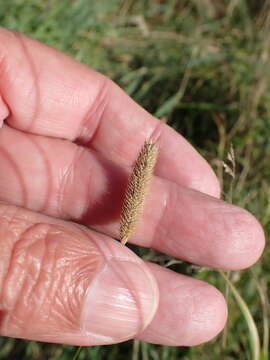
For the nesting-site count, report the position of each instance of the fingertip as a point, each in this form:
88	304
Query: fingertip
190	311
250	243
208	315
244	242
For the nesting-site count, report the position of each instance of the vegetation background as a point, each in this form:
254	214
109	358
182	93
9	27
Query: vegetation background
203	67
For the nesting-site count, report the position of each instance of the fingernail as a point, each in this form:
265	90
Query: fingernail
120	302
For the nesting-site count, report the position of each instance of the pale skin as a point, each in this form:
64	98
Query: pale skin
67	145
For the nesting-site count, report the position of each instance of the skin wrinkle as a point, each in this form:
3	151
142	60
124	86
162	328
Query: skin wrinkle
4	110
18	175
159	229
163	236
40	229
163	228
95	111
63	309
25	279
63	275
69	95
35	94
10	266
79	292
85	233
74	297
65	180
12	219
156	134
112	255
195	232
199	231
11	261
4	279
54	292
48	172
118	152
87	204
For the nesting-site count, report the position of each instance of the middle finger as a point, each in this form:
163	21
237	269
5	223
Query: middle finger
65	180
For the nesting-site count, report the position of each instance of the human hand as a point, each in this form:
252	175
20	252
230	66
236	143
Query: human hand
67	146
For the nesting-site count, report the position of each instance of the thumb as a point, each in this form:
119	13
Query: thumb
63	283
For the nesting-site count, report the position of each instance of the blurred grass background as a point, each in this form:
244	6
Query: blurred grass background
203	67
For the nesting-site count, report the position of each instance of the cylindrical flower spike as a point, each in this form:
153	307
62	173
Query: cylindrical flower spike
137	189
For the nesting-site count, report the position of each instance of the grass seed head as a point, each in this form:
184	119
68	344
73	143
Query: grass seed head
137	189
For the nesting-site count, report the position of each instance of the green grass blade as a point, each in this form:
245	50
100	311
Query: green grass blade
76	356
261	285
136	350
253	331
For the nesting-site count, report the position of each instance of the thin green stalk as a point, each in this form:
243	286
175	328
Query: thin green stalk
76	356
253	331
136	350
262	290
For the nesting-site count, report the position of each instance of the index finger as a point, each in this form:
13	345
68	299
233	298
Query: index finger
46	92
